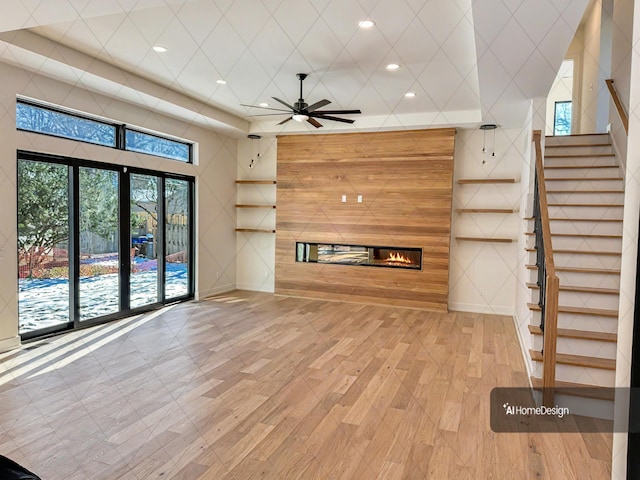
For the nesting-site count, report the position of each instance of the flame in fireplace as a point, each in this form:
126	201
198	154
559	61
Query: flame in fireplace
398	258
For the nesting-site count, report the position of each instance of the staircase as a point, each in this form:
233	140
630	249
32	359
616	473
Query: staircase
585	192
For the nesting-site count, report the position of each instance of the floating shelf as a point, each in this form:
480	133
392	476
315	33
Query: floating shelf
255	206
485	210
486	239
255	230
256	182
487	180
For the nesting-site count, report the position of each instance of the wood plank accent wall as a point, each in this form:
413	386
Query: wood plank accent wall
405	179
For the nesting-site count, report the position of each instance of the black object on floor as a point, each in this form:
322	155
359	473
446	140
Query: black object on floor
10	470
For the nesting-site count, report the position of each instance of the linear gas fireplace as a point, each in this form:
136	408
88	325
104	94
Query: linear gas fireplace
392	257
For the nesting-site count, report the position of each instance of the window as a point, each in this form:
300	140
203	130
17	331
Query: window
154	145
59	122
562	118
51	122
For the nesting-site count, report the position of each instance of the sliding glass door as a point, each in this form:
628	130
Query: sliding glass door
177	238
145	274
99	280
89	239
43	246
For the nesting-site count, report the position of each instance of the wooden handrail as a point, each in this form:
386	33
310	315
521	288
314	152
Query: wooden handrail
552	285
544	208
618	103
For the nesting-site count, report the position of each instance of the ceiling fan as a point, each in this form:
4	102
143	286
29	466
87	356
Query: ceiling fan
301	111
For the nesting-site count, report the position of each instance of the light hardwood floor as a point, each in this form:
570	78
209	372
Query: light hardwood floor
257	386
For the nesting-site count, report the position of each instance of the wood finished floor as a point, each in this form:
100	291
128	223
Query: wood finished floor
256	386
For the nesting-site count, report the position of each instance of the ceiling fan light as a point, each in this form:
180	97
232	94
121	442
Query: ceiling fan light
300	117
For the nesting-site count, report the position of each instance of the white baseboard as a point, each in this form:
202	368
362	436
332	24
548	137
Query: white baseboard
10	344
256	287
487	309
215	291
524	347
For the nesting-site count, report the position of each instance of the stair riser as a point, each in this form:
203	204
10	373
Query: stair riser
605	301
582	261
586	261
576	346
577	184
586	198
596	213
581	173
582	322
576	139
589	407
589	376
589	279
588	227
584	243
585	150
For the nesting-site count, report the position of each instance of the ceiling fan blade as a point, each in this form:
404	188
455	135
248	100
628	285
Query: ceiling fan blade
317	105
264	108
314	122
285	104
343	112
284	121
268	114
336	119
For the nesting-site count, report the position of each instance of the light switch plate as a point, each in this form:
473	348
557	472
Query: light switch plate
344	199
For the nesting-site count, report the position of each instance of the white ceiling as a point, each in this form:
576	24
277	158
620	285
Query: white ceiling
468	61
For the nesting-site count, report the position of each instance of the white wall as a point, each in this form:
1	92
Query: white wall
215	174
628	34
483	276
255	261
621	72
590	68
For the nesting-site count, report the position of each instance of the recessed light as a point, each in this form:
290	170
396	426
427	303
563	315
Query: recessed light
366	23
263	104
221	82
159	49
393	66
410	94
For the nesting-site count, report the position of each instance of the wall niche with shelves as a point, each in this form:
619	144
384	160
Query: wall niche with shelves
256	206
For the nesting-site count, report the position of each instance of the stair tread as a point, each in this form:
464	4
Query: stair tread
585	235
580	145
597	179
585	191
578	360
583	310
578	389
585	204
581	289
585	219
578	334
582	155
580	252
581	270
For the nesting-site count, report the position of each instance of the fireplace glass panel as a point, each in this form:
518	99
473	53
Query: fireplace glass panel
391	257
